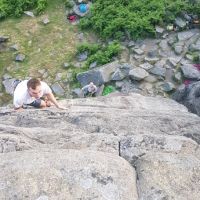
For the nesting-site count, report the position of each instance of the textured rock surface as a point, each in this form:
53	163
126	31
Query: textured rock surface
66	174
101	148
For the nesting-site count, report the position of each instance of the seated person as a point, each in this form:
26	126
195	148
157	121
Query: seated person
89	90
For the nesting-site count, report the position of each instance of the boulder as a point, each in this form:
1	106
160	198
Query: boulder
8	85
191	72
195	46
189	96
14	47
57	89
138	74
118	75
82	56
159	29
99	75
138	51
168	86
159	71
185	35
146	66
46	21
20	57
3	38
181	23
29	13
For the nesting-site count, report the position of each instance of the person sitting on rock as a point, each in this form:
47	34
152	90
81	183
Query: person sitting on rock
89	90
30	92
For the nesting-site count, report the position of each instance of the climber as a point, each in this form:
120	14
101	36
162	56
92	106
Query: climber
89	90
30	92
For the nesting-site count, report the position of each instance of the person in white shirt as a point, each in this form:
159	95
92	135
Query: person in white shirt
30	92
89	90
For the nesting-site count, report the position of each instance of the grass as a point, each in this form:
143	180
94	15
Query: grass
45	46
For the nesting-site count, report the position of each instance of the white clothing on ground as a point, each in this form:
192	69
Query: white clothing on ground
21	95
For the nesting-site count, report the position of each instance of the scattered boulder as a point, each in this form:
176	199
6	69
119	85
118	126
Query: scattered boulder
29	13
159	30
98	76
196	46
8	85
151	60
131	44
93	65
82	56
66	65
46	21
58	76
178	48
14	47
173	61
168	86
57	89
4	39
178	76
181	23
138	51
146	66
138	74
159	71
125	68
94	76
20	57
189	71
7	76
185	35
118	75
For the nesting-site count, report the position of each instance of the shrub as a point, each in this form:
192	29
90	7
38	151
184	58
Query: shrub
116	19
17	7
100	54
108	89
90	48
105	55
41	5
195	57
68	4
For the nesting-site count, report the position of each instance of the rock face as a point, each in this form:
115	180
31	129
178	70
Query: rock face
189	95
118	147
66	174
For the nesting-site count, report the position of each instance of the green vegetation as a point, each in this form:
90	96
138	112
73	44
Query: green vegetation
45	46
90	48
195	57
108	89
17	7
68	3
99	54
133	18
